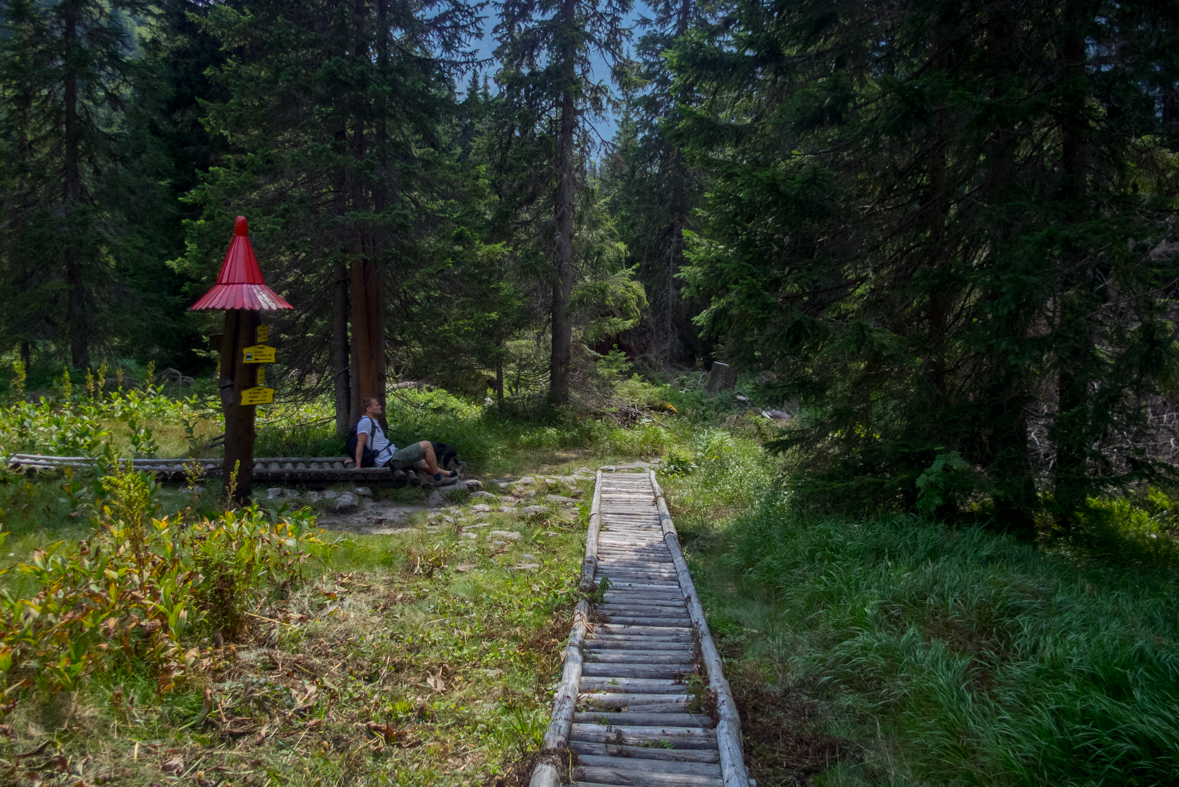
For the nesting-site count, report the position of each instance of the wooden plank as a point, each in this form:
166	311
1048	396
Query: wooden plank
630	685
610	776
648	702
644	765
646	752
595	669
685	737
655	640
638	657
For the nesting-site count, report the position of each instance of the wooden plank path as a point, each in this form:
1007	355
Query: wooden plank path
624	704
306	470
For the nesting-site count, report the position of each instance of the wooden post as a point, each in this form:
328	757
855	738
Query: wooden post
241	326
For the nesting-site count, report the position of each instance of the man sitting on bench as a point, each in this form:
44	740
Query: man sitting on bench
415	456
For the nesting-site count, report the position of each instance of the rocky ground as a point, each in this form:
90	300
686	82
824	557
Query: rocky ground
493	511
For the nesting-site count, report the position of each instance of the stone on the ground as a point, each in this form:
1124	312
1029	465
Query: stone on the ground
482	496
498	543
470	536
276	493
477	524
311	497
464	567
551	533
513	535
524	492
533	510
559	499
331	494
345	502
362	491
526	566
525	481
527	556
443	497
481	508
474	485
585	470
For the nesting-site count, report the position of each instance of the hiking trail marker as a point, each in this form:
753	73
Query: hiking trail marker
259	353
242	294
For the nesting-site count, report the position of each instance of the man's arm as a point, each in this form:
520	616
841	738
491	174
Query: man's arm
361	440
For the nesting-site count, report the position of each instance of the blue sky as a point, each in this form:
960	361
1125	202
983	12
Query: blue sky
606	126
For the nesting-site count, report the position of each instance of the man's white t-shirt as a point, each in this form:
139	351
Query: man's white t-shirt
376	439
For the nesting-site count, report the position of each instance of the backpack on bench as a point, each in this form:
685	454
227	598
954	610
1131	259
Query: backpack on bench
368	458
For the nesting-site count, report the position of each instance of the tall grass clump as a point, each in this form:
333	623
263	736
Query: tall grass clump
990	660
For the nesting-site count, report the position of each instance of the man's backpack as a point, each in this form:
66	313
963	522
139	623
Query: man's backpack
368	458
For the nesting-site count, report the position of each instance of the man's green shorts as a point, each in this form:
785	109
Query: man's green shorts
405	458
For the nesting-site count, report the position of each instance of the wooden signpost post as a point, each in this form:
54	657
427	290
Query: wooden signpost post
242	294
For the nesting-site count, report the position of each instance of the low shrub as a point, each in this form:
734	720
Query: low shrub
142	593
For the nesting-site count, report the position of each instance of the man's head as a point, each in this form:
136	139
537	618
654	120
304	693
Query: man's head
370	406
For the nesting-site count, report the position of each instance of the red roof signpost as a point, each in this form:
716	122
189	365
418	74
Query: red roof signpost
242	294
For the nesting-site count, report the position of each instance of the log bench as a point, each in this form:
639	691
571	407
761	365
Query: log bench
311	471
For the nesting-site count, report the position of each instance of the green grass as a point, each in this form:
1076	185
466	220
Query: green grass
919	653
416	658
862	651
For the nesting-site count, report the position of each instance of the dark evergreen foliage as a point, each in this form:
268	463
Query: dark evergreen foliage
937	222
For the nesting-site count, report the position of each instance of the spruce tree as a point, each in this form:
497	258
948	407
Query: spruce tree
927	219
65	74
653	190
339	117
546	48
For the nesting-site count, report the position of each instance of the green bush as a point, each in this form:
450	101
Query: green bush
141	594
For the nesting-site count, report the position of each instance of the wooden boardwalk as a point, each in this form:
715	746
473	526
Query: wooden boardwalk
643	700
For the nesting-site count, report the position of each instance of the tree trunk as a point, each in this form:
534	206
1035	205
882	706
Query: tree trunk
71	196
499	377
1074	341
937	212
341	381
1004	449
562	349
367	332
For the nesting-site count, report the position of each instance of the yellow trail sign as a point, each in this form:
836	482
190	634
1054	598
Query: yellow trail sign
262	374
263	334
258	395
258	353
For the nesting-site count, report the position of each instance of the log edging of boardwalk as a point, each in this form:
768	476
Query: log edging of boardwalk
589	565
547	772
728	728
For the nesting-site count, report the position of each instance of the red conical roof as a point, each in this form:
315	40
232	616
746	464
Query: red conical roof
240	284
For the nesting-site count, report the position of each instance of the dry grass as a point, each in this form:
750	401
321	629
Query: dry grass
379	672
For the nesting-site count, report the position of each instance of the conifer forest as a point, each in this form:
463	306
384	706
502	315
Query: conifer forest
934	522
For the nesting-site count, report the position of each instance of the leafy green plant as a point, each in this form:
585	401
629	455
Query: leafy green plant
945	483
142	440
133	598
